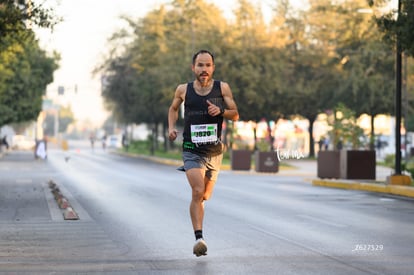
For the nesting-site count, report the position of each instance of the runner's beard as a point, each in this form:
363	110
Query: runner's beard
204	79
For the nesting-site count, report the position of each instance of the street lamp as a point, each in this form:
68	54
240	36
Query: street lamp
398	178
398	79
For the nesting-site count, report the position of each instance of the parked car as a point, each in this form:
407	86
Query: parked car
114	141
21	142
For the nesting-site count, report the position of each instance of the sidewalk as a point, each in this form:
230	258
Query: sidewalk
27	191
24	194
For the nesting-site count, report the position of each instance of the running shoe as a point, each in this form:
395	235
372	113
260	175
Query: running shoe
200	248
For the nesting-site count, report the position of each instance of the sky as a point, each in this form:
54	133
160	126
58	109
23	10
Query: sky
81	41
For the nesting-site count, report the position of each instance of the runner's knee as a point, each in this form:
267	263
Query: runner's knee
198	193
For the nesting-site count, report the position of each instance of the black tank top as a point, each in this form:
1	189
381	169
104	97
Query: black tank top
202	132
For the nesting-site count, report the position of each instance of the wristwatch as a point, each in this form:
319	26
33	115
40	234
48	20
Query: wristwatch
221	110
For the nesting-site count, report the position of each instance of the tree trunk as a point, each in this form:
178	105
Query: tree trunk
372	135
311	140
152	139
164	136
255	137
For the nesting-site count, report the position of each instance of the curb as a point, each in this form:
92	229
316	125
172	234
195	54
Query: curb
70	214
399	190
63	203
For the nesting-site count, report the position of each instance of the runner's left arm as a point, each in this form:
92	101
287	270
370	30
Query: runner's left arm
230	109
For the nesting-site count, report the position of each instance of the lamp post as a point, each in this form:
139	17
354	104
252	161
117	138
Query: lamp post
398	86
398	178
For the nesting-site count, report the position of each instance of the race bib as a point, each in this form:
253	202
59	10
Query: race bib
204	133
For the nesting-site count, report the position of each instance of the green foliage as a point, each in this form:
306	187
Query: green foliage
142	78
28	70
141	147
345	129
299	63
263	145
400	26
14	15
409	166
389	160
25	69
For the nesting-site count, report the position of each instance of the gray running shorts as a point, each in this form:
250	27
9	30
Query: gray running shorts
210	164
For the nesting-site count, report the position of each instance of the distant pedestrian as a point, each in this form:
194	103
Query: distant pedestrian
124	141
104	142
326	143
321	142
4	142
339	145
92	140
41	151
378	146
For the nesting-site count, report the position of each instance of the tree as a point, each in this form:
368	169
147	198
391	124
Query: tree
300	64
25	69
366	67
400	26
254	68
142	78
312	84
355	67
14	14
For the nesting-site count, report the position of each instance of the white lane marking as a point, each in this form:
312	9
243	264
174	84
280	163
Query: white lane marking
386	199
323	221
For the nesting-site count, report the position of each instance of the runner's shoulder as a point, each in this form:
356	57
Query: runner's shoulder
181	88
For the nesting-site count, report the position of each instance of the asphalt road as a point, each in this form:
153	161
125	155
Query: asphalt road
134	220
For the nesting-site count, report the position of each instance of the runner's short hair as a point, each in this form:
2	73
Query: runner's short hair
201	52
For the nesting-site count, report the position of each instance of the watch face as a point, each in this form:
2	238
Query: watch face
221	110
